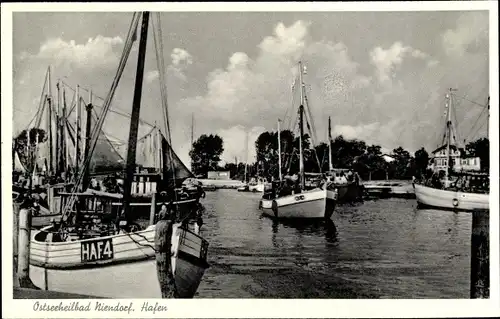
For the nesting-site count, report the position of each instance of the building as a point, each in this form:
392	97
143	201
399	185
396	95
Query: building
460	160
219	175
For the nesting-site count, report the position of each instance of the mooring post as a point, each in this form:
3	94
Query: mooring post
15	247
152	212
163	246
480	259
23	266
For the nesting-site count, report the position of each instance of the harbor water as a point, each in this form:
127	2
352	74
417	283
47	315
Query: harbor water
384	248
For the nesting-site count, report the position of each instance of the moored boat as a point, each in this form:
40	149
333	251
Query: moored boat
292	200
457	190
448	199
316	203
102	248
67	266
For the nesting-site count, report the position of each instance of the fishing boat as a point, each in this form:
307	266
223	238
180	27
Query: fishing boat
158	161
455	191
345	181
302	203
61	261
97	240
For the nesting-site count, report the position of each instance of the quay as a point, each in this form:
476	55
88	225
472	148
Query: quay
389	188
29	293
221	184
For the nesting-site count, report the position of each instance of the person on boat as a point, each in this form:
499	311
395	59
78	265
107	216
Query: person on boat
199	220
163	211
163	250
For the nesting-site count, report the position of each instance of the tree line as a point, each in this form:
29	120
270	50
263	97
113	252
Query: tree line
367	160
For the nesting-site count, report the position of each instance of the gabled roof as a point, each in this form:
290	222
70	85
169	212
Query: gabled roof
453	147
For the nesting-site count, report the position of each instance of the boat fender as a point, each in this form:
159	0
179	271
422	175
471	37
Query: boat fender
274	207
260	204
455	202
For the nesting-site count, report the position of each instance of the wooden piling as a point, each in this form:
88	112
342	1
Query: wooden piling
152	211
480	258
16	208
23	264
163	244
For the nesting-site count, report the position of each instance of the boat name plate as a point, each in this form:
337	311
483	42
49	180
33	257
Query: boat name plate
97	249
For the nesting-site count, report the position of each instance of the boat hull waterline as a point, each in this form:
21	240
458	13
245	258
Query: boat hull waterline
446	199
309	204
132	267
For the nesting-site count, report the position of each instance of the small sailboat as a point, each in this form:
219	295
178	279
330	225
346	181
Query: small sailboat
308	204
458	190
345	181
97	240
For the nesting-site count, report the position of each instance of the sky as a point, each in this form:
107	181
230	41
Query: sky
381	76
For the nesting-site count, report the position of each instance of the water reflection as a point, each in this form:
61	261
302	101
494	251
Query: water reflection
307	227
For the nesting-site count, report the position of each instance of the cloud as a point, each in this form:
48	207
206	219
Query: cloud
389	93
180	56
386	61
152	76
469	36
96	52
234	143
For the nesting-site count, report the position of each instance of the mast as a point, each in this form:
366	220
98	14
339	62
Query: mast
301	127
49	124
330	160
279	151
88	126
58	131
158	148
488	121
192	129
77	142
246	156
448	133
63	135
134	121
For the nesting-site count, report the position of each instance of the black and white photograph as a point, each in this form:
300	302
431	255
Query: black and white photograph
257	153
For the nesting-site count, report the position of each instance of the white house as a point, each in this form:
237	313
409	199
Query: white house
460	161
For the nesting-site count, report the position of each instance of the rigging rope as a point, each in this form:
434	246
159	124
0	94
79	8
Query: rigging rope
95	134
160	62
42	100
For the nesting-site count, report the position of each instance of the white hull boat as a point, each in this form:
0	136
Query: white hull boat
119	266
256	188
447	199
316	203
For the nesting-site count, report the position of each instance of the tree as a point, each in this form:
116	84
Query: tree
21	145
402	164
346	151
232	168
480	148
371	164
421	162
205	154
